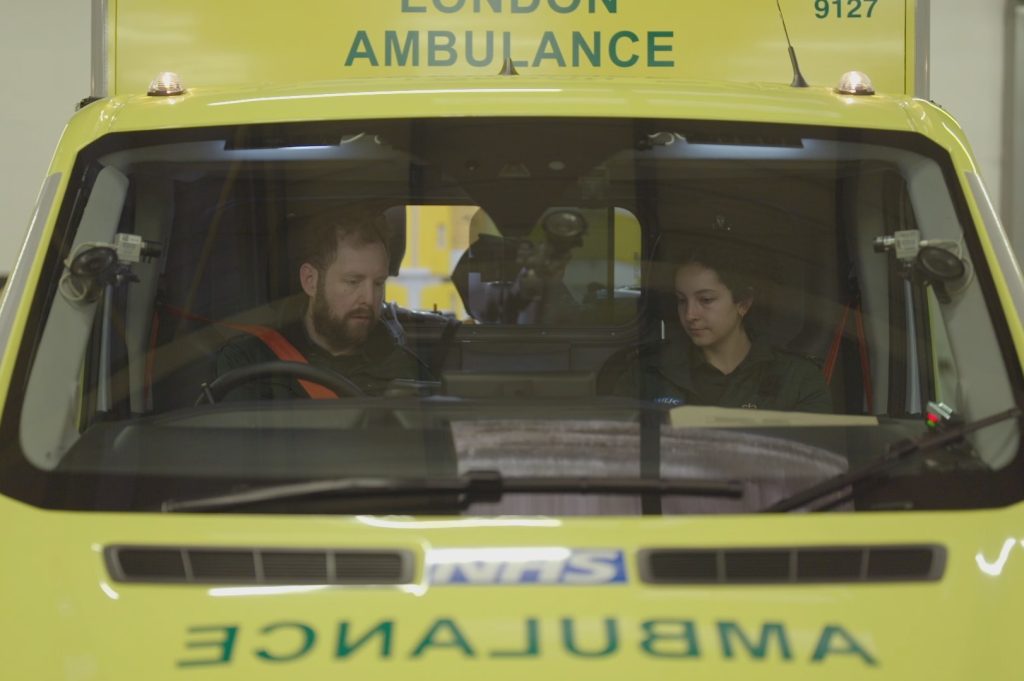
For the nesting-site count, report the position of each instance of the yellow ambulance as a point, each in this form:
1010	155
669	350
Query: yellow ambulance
693	349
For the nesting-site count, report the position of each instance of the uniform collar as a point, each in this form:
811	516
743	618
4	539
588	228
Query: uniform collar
677	363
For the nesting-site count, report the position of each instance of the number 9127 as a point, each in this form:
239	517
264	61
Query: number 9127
844	9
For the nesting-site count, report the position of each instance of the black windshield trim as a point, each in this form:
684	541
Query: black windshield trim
20	480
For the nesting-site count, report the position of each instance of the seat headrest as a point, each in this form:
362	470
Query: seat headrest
395	239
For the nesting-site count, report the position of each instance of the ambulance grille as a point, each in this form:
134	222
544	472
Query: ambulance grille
195	565
802	565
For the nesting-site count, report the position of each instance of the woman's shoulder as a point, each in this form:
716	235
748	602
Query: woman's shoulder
797	360
800	380
791	365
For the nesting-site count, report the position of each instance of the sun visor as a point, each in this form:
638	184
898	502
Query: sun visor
233	42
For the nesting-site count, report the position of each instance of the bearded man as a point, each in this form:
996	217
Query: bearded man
343	276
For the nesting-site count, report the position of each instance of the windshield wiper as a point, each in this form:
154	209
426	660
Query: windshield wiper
474	486
898	453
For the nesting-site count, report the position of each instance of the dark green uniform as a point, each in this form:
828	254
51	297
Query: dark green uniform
379	361
767	378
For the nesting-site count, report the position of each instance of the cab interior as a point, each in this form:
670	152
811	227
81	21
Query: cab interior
617	201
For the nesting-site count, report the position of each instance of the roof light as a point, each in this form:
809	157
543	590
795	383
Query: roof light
166	84
855	83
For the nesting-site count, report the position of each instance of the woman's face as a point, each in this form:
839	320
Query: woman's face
707	310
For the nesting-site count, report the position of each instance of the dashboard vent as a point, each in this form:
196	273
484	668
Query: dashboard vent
270	566
801	565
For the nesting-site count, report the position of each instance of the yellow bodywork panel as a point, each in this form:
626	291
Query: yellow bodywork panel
232	42
499	96
68	617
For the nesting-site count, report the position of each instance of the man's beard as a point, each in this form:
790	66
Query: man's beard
336	330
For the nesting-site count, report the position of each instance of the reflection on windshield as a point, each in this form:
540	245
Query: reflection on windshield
546	297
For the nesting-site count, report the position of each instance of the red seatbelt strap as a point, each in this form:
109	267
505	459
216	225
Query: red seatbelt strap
833	348
275	342
862	347
865	362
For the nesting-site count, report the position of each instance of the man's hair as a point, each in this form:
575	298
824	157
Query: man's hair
327	231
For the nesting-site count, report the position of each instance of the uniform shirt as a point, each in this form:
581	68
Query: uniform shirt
767	378
377	362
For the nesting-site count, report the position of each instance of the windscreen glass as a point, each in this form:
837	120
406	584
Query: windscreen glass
701	317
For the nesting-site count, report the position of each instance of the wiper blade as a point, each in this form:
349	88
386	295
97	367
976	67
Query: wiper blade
900	451
474	486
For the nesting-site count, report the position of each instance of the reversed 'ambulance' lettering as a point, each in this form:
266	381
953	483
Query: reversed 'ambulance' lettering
665	639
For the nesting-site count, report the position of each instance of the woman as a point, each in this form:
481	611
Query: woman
724	365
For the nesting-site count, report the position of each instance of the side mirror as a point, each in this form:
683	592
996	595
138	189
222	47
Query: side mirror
92	267
939	267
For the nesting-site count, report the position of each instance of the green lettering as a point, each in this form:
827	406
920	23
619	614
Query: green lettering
441	42
398	53
361	49
449	9
824	647
489	58
611	639
495	5
613	48
532	648
225	643
308	637
506	40
567	9
653	48
548	50
727	631
384	629
456	639
611	6
406	7
684	632
519	8
593	51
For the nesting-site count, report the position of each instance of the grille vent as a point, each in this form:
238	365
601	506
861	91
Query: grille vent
195	565
802	565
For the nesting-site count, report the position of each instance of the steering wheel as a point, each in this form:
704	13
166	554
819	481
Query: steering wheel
215	390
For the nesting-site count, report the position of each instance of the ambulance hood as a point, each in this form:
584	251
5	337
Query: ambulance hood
260	597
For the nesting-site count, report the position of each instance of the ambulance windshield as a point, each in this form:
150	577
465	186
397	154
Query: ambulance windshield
766	306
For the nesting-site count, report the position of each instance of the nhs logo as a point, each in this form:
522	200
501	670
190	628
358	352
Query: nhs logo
541	565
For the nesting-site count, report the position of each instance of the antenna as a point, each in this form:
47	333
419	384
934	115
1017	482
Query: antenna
798	78
508	68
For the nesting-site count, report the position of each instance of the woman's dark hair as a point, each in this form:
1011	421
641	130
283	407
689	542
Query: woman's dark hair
732	263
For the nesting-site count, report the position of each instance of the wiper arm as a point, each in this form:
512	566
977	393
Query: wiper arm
474	486
897	454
